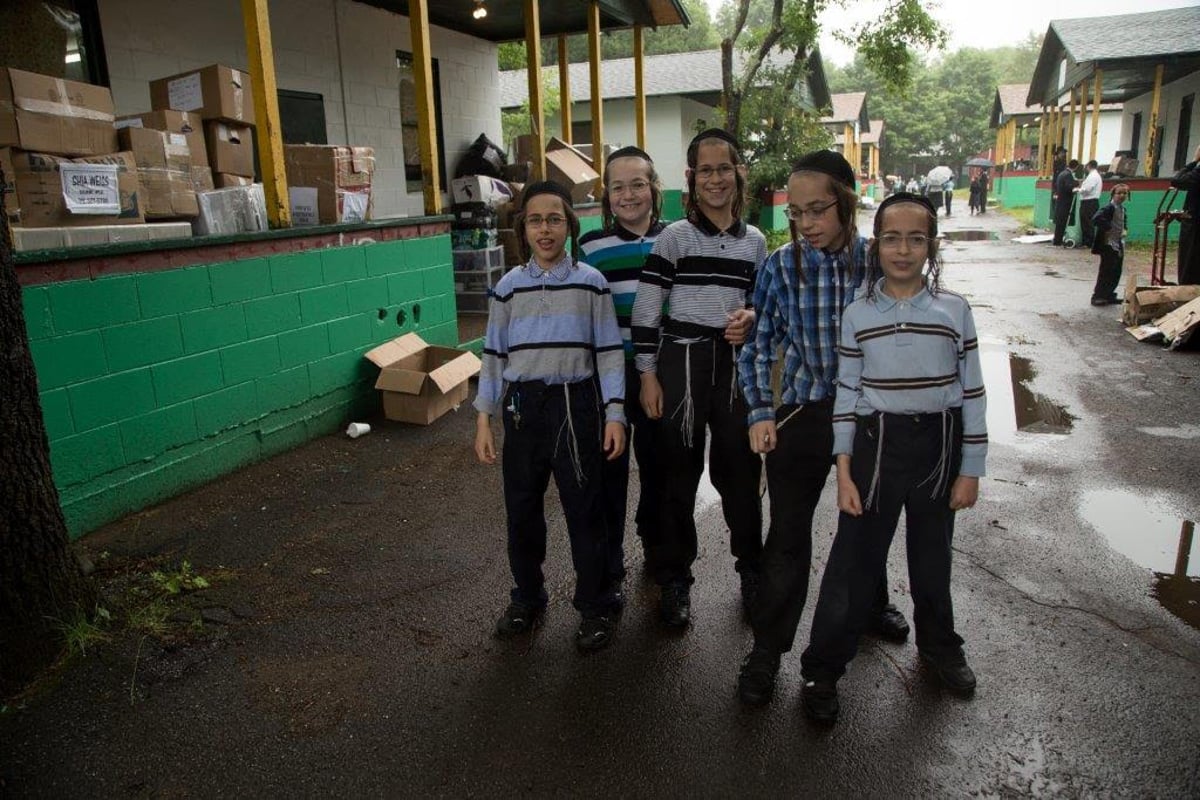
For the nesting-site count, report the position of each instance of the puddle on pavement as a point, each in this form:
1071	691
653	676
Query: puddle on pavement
971	236
1150	533
1012	406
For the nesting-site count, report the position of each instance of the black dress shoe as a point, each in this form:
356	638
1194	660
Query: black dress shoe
518	618
819	700
756	680
595	633
953	672
675	607
888	623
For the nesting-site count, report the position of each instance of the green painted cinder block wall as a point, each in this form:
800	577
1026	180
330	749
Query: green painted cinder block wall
1140	210
153	383
1016	191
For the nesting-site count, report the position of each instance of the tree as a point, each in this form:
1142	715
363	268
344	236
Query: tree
41	585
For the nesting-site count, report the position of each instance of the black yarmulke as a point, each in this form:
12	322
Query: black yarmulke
627	152
716	133
546	187
828	162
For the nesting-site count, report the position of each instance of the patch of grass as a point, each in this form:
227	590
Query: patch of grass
150	617
1022	214
81	630
181	580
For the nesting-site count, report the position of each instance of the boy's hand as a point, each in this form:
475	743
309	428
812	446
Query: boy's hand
614	439
848	498
763	437
485	442
651	395
741	322
964	492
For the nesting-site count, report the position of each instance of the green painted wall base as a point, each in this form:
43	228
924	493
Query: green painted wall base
1015	191
1140	210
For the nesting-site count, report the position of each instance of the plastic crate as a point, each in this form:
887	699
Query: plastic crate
478	260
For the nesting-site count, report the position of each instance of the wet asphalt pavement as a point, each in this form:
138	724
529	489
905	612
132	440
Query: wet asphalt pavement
345	643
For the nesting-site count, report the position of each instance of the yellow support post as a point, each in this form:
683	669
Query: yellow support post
639	86
564	89
533	64
266	108
1152	139
418	23
1097	96
1041	162
1012	140
1069	131
1083	98
597	98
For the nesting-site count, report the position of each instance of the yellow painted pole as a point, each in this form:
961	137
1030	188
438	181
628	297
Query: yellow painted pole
1152	139
1097	96
564	89
1042	143
1069	130
1013	132
597	98
266	112
533	64
639	86
418	23
1083	115
999	156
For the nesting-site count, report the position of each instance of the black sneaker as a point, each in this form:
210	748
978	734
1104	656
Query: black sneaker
750	584
675	607
756	680
518	618
595	633
888	623
820	701
953	672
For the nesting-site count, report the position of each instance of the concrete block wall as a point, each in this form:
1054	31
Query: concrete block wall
345	51
158	381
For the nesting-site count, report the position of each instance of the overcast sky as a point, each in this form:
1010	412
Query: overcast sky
973	23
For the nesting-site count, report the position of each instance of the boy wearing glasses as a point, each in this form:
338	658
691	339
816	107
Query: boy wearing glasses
704	268
801	293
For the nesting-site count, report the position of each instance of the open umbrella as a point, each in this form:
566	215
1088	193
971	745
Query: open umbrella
980	162
939	175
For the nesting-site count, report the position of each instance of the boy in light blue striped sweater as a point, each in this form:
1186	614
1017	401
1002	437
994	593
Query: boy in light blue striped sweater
553	367
909	435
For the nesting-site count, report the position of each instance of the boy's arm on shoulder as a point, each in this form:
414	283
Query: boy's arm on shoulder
974	407
758	353
849	381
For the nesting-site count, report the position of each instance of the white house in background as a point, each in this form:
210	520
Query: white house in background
1133	54
682	94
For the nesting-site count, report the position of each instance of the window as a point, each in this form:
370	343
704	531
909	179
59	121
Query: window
1183	137
60	39
408	123
1135	140
302	117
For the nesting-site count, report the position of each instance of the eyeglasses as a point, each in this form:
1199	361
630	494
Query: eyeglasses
706	172
636	187
892	241
812	212
552	221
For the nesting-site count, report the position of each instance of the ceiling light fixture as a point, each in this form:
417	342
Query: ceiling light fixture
480	10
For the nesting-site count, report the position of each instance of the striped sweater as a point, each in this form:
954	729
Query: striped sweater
619	254
702	273
556	326
914	356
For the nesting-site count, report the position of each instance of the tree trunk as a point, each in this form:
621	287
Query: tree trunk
734	90
40	580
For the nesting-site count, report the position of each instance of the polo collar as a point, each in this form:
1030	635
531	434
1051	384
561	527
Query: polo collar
736	230
626	235
922	300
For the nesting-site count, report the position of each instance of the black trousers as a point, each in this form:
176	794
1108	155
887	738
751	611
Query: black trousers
1109	273
913	449
796	473
538	443
1062	213
642	430
699	382
1087	210
949	197
1189	254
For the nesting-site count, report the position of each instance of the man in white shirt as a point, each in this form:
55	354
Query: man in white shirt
1089	201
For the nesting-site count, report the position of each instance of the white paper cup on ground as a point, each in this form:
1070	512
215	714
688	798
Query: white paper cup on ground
357	429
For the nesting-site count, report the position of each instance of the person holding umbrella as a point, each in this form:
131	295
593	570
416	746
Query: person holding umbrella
940	187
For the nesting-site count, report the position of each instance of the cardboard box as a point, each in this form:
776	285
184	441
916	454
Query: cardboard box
164	167
230	147
184	122
328	184
420	382
202	179
1145	303
55	116
12	208
223	180
94	190
213	92
481	189
567	166
237	209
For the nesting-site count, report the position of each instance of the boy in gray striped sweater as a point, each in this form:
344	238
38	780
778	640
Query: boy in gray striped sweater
554	366
909	435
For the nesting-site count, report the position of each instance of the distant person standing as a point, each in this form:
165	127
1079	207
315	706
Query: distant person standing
1188	179
1064	198
1109	244
1089	201
948	193
984	177
973	196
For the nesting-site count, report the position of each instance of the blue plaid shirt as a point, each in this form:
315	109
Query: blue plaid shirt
803	316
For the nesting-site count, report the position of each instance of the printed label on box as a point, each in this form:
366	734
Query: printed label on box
304	205
354	206
184	94
128	123
91	188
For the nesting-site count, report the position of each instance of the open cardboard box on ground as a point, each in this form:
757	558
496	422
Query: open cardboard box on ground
567	166
420	382
1145	303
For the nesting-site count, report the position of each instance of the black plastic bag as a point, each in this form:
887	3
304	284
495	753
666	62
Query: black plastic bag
483	157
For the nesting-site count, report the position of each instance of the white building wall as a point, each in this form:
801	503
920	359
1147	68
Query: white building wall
145	40
1170	102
